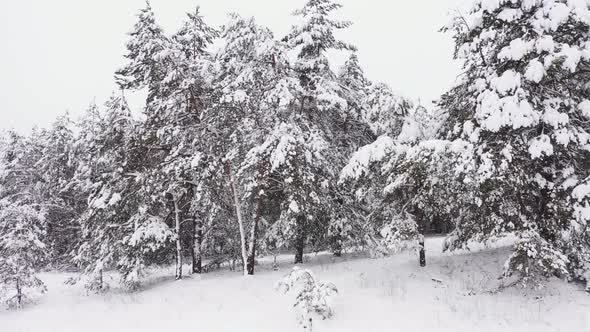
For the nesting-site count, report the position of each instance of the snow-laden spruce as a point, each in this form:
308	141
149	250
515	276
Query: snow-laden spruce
21	252
309	132
176	72
512	152
521	108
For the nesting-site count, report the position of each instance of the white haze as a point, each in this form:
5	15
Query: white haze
60	55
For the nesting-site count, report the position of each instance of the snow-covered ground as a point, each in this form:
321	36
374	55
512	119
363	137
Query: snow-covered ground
391	294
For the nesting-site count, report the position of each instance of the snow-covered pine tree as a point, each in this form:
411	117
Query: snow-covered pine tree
19	176
108	177
21	251
343	230
380	175
90	126
315	121
578	249
146	48
311	39
187	86
254	84
175	72
384	111
122	227
186	95
356	85
522	106
296	174
22	226
248	69
393	124
60	198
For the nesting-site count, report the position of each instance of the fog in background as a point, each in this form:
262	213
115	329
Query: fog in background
60	55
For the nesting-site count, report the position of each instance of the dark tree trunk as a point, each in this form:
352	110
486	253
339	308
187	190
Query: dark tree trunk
337	245
422	251
422	227
275	266
100	281
253	238
178	242
19	294
197	244
300	240
299	252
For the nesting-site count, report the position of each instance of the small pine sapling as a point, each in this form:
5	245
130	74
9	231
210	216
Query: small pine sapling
312	296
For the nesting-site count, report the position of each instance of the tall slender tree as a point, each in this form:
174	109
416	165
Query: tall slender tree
251	69
22	218
318	112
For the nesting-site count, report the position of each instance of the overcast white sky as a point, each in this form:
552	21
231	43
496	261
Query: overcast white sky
60	55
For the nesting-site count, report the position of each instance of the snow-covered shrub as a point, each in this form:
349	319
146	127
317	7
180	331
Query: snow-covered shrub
96	283
312	296
383	110
534	258
399	232
578	253
150	236
151	233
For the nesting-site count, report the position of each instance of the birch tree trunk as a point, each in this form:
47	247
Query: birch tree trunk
178	244
238	208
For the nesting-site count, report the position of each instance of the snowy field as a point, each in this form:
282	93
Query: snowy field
391	294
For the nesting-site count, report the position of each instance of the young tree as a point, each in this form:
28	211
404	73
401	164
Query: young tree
356	85
313	296
146	50
21	249
22	218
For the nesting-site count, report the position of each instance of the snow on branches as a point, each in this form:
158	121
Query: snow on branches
21	252
522	105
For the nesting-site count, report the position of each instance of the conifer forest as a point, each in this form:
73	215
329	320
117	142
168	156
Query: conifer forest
262	188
